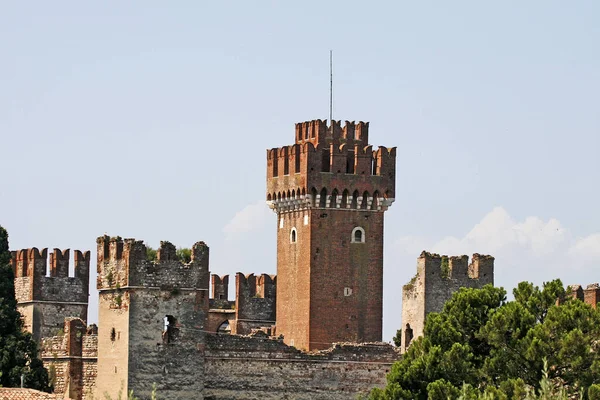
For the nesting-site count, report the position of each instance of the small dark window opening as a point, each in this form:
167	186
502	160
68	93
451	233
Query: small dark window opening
170	331
358	236
408	336
113	334
350	162
326	166
286	165
293	236
297	159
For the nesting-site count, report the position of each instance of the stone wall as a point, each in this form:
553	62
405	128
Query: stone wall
71	359
437	278
242	367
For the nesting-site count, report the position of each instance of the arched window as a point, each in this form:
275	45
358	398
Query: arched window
358	235
293	235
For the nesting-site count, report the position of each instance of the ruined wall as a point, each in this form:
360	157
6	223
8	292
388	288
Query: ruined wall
437	278
151	319
241	367
44	300
71	359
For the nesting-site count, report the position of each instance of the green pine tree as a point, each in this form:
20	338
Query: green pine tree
18	350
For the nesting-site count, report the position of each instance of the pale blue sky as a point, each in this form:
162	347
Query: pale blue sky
151	120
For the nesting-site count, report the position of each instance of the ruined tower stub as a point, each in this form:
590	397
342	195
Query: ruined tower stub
151	319
44	301
330	190
437	278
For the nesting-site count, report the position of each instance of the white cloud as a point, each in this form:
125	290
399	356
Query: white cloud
251	218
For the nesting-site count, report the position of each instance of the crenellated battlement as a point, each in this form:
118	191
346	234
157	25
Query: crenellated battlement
328	162
437	278
590	295
33	280
255	302
317	131
443	267
261	286
124	263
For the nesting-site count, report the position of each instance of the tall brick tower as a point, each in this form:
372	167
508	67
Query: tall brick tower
330	190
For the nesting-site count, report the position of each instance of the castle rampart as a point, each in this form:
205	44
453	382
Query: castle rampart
437	278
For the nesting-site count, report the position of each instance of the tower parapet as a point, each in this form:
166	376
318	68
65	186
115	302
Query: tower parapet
124	263
331	167
45	297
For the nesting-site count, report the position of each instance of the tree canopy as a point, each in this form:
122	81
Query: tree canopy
482	344
18	350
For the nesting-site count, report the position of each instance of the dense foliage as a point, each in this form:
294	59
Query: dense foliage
481	344
18	350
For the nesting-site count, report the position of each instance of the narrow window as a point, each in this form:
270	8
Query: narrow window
358	235
113	334
350	162
408	336
293	235
325	167
170	331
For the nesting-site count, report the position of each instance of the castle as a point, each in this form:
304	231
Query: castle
313	331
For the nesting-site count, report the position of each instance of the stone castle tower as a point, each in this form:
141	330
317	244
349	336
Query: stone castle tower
44	299
437	279
330	190
152	315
